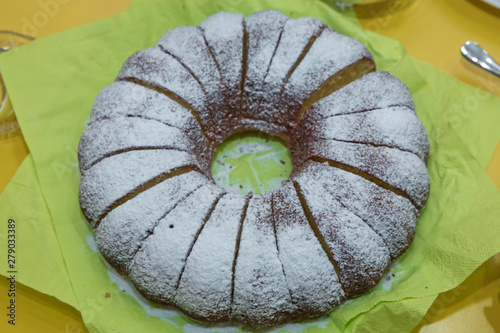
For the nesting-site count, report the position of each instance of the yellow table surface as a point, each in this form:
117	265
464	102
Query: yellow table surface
431	30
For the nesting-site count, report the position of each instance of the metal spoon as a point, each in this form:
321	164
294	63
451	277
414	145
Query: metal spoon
473	52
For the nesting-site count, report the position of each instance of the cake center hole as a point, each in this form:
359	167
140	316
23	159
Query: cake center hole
251	162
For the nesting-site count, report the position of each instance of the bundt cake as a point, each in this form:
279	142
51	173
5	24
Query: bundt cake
349	208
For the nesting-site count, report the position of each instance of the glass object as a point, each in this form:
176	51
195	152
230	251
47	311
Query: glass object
8	122
374	5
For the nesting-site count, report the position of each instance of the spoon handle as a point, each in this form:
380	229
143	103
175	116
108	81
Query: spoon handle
473	52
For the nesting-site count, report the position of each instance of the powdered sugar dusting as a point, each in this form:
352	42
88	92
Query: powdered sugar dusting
296	35
310	276
205	287
321	62
261	295
224	35
375	90
107	136
403	170
264	33
124	99
120	234
115	176
125	285
360	253
396	127
157	266
179	42
162	70
389	215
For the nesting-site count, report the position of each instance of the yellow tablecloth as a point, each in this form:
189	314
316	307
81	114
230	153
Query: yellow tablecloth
431	30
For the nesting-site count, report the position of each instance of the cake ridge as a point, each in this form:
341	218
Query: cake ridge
201	65
173	96
151	232
375	90
205	288
303	257
120	134
160	69
404	171
392	127
156	267
322	64
120	233
126	99
261	296
265	29
361	254
391	216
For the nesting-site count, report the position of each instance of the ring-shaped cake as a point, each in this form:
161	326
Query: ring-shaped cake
349	208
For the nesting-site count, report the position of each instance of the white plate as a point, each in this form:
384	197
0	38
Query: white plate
495	3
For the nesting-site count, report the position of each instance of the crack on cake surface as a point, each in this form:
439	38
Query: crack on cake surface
359	217
361	111
244	67
129	115
205	220
274	53
192	74
212	54
237	249
151	232
126	150
317	233
278	250
145	186
335	82
377	181
173	96
305	50
183	65
376	145
301	57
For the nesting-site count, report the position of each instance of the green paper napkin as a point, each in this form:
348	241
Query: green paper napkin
53	82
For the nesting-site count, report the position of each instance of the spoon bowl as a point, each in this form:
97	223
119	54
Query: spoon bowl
474	53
